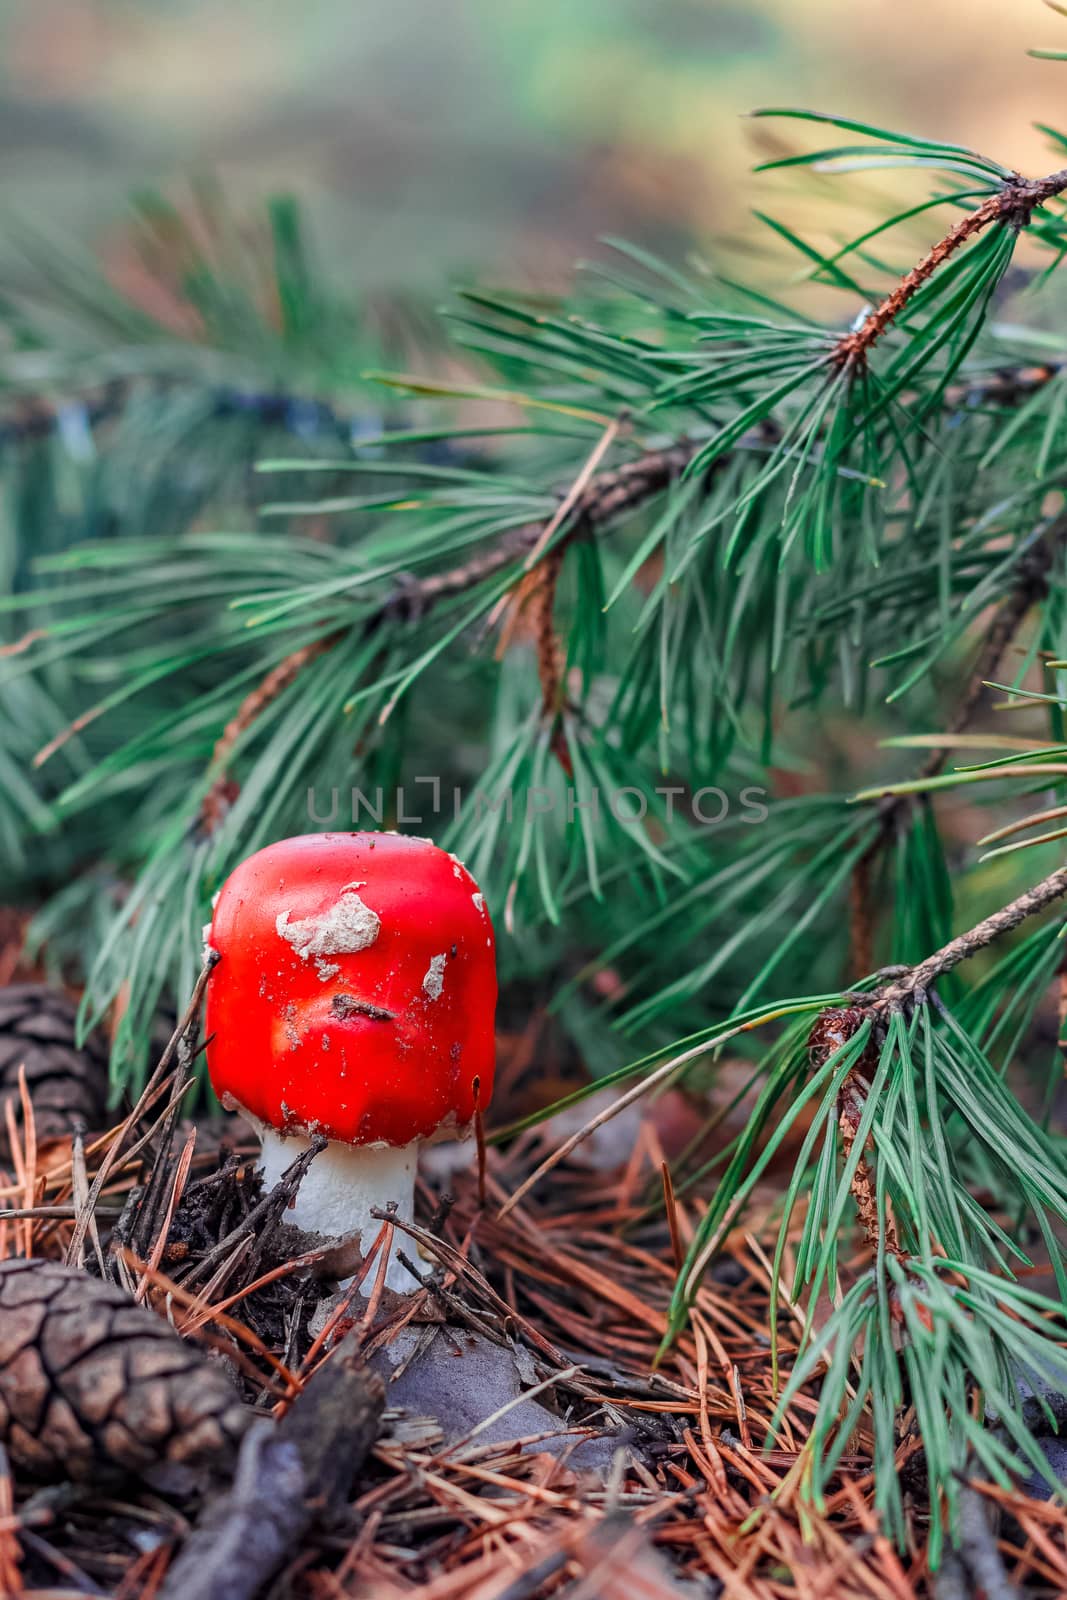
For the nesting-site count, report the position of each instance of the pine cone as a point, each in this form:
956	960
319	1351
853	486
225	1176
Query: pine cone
90	1380
66	1084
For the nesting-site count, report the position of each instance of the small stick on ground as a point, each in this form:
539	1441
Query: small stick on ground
290	1475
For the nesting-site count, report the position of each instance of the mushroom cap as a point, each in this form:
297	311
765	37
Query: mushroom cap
356	989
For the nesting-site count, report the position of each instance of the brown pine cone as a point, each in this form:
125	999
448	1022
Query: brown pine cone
89	1380
65	1084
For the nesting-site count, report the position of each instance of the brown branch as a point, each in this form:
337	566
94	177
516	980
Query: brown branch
913	987
606	496
1013	206
915	983
603	497
854	347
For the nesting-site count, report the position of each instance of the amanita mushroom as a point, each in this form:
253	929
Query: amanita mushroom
354	999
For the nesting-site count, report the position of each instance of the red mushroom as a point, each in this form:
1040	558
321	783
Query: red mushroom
354	999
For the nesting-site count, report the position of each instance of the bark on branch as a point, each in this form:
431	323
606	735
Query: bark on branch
915	983
1013	206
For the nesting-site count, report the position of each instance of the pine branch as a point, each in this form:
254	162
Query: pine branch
605	496
608	495
1013	206
914	985
834	1027
587	505
889	1175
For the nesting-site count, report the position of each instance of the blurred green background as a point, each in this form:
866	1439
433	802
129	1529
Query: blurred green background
443	135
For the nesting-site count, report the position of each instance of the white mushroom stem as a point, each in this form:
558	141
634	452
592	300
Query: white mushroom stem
340	1189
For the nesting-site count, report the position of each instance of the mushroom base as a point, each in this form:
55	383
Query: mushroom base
342	1186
